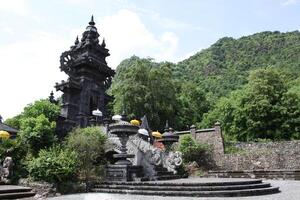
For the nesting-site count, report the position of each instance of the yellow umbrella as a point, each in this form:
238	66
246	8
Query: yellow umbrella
4	134
135	122
156	134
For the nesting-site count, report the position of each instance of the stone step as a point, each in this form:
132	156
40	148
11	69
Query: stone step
166	177
164	173
221	193
269	174
15	192
182	188
16	195
160	168
162	183
14	189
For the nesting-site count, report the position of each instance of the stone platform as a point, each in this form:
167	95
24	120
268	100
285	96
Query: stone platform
123	172
192	187
265	174
15	192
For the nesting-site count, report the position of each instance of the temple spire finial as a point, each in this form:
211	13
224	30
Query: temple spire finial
103	43
92	23
167	126
52	98
76	41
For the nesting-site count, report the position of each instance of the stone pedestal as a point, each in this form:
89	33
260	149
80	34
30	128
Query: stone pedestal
123	173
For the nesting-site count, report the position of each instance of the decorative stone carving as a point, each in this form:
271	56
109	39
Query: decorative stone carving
6	170
155	156
172	160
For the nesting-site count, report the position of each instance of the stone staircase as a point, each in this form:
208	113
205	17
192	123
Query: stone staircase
143	157
15	192
189	188
161	173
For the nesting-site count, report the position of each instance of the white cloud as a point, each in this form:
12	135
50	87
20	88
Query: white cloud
19	7
29	71
165	22
79	2
290	2
126	35
7	29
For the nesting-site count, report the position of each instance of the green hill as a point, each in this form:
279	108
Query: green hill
250	84
225	65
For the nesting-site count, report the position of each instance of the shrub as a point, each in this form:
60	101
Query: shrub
54	165
89	145
38	133
193	150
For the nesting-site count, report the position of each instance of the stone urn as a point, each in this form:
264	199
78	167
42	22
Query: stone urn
123	170
123	129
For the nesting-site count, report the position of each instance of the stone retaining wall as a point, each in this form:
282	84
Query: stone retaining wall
263	156
211	136
284	155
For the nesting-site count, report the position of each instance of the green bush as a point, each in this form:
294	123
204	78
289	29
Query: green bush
37	133
193	150
54	165
89	145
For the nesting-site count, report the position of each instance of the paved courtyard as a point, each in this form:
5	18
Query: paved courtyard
290	190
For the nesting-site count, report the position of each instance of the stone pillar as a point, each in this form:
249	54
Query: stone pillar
218	145
218	132
193	131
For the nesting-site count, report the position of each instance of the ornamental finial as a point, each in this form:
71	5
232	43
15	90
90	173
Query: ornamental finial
76	41
103	43
92	23
167	126
51	97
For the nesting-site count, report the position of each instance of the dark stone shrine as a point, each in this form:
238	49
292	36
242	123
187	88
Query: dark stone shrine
89	78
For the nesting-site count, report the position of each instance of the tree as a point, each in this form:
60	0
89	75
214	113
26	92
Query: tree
192	104
43	106
145	87
14	121
260	107
264	108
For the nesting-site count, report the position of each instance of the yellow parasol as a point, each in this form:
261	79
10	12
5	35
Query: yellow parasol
4	135
156	134
135	122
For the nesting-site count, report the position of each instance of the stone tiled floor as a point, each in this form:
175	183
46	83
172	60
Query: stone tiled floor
290	190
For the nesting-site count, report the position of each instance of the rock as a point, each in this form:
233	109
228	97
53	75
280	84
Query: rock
192	168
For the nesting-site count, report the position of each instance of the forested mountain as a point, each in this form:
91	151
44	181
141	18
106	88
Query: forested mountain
225	65
216	83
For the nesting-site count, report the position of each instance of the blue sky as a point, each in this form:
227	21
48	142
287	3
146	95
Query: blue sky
35	32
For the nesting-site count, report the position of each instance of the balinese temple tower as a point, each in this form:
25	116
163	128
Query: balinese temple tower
89	78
